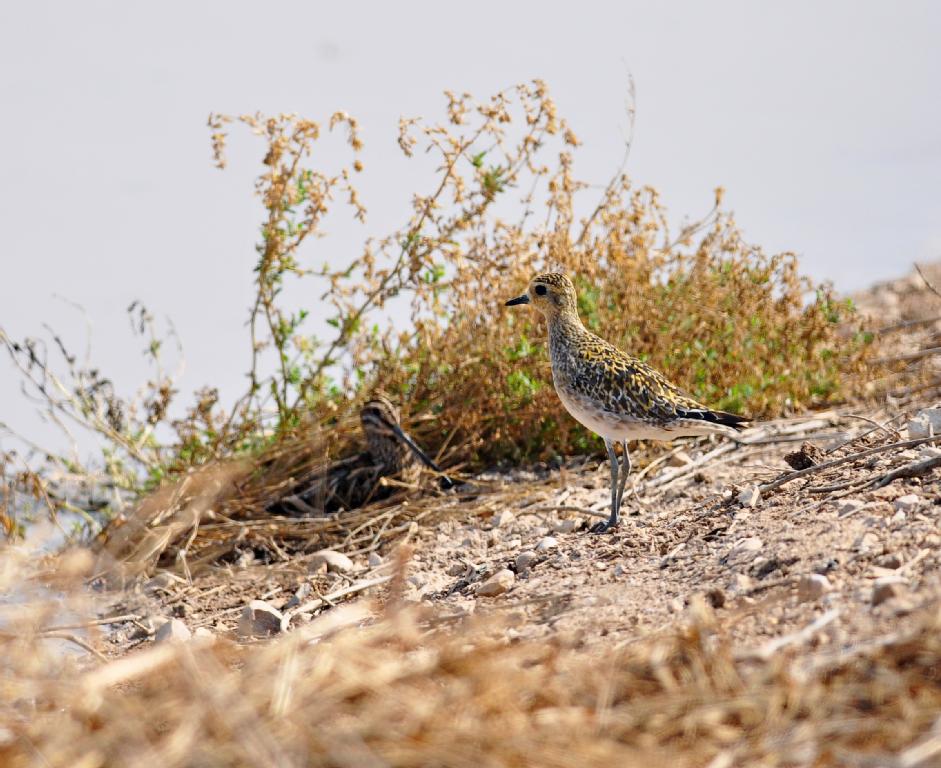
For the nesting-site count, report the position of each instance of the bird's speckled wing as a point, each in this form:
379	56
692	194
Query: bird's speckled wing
595	371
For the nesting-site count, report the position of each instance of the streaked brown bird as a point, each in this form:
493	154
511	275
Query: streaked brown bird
353	482
615	395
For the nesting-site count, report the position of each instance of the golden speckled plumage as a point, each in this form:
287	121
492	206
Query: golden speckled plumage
614	394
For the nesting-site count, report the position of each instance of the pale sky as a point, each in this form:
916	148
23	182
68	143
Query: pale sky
821	119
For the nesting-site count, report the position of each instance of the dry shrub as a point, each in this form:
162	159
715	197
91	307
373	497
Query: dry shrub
410	689
739	329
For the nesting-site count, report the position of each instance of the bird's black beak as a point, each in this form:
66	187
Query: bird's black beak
446	482
524	299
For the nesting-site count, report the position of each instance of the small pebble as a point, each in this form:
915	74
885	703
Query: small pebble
866	542
375	560
173	631
327	559
245	559
812	587
908	503
497	584
524	560
502	519
741	582
849	506
750	496
679	459
162	581
546	544
926	423
259	619
568	525
746	550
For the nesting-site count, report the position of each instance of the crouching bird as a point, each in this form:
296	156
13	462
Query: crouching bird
353	482
617	396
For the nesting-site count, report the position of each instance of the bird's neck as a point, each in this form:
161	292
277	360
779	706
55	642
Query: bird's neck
565	321
564	328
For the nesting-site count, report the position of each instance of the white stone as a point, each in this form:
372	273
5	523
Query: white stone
375	560
568	525
750	496
332	561
259	619
173	631
497	584
812	586
908	503
926	423
546	544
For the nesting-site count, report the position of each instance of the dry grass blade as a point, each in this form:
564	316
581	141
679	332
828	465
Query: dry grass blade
376	695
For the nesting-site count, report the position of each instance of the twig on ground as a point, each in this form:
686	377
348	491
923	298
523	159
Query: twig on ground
915	469
868	432
844	460
94	623
313	605
67	636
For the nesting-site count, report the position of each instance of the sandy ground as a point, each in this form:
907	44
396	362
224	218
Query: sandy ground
844	553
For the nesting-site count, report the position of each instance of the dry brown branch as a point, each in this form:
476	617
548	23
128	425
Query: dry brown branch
846	459
915	469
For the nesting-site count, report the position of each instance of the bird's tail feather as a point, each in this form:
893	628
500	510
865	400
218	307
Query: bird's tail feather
713	417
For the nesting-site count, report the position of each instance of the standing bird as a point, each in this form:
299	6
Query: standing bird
355	481
612	393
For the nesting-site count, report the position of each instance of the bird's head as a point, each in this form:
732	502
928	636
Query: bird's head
551	293
384	433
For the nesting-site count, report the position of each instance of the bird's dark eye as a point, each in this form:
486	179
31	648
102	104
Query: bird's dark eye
541	290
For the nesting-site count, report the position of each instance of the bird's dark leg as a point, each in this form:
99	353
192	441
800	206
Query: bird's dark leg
612	521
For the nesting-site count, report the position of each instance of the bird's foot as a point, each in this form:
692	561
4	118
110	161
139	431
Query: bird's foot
604	526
